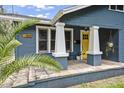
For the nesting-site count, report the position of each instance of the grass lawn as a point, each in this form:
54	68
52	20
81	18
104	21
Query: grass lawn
114	82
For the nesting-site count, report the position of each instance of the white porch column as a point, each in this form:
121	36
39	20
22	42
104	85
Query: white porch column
60	48
94	53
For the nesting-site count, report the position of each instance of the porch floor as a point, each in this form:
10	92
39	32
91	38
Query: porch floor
75	67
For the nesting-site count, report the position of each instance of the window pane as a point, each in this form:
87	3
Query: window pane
52	39
119	7
68	46
68	40
113	7
43	34
52	45
53	34
42	45
67	35
43	39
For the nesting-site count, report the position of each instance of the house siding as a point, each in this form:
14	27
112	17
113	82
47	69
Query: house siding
95	15
104	18
121	45
28	44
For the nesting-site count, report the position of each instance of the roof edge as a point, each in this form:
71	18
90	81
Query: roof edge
23	18
66	11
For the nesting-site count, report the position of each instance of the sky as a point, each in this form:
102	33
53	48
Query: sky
43	11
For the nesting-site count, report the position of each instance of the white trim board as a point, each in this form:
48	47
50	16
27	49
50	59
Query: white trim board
37	41
81	42
49	38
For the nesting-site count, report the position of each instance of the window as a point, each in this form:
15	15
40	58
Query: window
116	7
43	39
46	39
68	40
52	40
120	7
113	7
85	37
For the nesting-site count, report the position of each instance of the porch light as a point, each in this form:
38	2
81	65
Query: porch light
86	28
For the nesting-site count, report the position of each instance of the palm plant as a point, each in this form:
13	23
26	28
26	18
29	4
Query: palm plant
8	43
2	10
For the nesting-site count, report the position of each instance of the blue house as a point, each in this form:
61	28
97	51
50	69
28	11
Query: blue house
86	32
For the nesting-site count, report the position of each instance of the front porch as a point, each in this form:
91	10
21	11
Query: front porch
96	44
77	72
92	51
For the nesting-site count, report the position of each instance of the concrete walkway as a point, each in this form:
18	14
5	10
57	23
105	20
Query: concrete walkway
75	67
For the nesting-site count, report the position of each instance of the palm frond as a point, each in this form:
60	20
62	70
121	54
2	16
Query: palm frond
7	50
10	46
23	25
7	40
5	26
26	61
48	62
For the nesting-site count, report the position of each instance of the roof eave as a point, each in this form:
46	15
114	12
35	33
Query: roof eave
23	19
66	11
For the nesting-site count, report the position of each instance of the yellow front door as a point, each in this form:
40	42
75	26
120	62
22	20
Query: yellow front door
85	44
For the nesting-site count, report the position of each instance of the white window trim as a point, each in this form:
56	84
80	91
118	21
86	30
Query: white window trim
37	40
49	38
71	39
116	9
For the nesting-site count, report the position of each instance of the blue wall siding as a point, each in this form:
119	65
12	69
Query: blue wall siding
121	45
95	15
28	44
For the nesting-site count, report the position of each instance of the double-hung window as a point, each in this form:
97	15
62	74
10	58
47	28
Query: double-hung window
46	39
43	34
68	40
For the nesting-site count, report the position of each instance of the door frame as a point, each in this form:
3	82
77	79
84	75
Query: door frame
81	36
81	39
